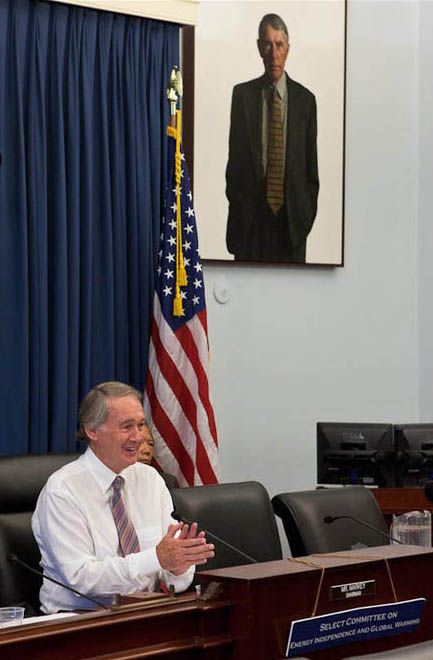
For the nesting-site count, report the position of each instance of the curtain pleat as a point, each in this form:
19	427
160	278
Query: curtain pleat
82	125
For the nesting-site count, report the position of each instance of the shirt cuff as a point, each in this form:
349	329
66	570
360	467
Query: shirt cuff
146	562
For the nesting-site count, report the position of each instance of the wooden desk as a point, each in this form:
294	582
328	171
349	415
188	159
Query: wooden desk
183	629
401	500
395	501
248	618
272	594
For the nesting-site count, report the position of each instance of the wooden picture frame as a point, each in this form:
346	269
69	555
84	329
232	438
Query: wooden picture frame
226	54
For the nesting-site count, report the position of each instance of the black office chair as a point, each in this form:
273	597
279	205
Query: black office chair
21	480
303	516
240	513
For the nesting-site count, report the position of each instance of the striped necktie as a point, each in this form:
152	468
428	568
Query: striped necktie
275	173
128	541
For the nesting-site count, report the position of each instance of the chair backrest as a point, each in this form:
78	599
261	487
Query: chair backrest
21	480
303	516
17	585
240	513
170	480
23	477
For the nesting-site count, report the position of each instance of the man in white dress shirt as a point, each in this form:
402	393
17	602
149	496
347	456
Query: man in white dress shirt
74	522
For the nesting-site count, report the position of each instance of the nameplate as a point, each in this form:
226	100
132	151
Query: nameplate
352	590
356	625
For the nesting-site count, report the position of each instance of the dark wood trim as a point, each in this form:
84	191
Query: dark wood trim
188	73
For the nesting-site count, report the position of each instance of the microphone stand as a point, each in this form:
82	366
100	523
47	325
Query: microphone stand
331	519
13	559
179	518
131	604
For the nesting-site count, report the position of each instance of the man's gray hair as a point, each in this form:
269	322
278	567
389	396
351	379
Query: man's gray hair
276	22
94	410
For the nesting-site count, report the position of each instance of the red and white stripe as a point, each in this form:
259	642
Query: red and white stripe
177	402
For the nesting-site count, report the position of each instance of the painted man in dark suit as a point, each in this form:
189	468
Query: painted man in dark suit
272	176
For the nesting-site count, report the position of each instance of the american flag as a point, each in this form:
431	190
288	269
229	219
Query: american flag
177	402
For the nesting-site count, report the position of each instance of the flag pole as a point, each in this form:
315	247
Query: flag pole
177	401
174	92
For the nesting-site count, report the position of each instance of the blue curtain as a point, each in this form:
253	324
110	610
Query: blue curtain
82	138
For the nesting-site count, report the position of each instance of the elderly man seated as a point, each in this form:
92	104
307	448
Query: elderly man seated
93	531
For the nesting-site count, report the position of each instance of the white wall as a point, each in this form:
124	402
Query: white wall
426	209
178	11
298	345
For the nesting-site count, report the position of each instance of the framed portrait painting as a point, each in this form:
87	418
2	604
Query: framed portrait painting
269	131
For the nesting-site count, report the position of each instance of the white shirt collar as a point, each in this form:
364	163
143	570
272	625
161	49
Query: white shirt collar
102	474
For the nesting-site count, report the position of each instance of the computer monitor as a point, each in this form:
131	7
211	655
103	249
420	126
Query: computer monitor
354	453
414	447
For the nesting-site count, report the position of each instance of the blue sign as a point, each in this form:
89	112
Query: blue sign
356	625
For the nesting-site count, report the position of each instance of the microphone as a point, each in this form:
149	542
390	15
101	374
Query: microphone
428	491
331	519
13	559
179	518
